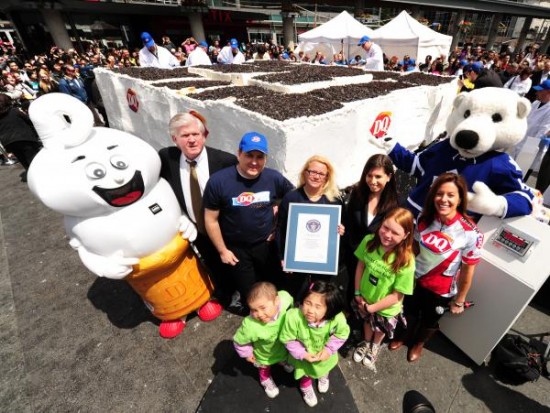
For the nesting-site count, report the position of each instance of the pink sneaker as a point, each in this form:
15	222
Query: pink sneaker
323	384
309	395
270	388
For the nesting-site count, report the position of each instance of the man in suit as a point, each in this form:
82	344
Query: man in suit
537	78
189	133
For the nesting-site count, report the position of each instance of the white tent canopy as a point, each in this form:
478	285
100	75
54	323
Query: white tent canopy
405	36
341	33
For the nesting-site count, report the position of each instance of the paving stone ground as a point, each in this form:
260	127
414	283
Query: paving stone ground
72	342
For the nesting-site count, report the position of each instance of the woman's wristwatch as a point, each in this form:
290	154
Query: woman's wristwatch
457	304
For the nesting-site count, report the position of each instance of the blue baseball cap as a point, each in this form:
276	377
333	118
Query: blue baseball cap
147	40
543	86
463	62
475	67
363	40
234	43
203	44
253	141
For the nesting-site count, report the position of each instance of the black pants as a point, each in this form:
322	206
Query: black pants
25	151
421	307
256	263
210	258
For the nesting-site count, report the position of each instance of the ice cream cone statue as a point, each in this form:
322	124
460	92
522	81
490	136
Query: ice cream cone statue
121	217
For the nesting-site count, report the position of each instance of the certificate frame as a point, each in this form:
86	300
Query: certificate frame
312	241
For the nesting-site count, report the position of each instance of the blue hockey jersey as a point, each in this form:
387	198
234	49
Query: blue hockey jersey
496	169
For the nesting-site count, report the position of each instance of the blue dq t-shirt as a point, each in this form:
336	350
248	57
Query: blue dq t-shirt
245	205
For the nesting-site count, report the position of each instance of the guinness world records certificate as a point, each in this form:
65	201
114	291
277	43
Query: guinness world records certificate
312	240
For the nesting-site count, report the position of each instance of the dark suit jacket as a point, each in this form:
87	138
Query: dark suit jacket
170	158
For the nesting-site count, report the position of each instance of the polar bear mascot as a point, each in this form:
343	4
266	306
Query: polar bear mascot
124	221
482	125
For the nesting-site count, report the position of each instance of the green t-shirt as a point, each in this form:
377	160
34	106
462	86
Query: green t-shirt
268	350
314	340
379	280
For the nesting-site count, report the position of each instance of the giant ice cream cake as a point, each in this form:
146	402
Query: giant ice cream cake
302	109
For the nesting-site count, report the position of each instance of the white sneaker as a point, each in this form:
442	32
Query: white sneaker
309	396
270	388
289	368
322	384
371	356
360	352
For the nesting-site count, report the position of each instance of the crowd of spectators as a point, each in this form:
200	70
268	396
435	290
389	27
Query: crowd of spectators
506	64
25	79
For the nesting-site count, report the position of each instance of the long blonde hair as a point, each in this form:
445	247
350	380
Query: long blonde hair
330	190
48	86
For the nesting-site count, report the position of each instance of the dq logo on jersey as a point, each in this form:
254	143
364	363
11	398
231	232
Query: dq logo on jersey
133	102
248	198
381	125
437	242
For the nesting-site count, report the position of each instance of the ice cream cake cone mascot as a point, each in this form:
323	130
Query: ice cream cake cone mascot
121	217
481	127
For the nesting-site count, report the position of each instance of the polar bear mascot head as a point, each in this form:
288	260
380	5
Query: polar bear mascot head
487	119
84	170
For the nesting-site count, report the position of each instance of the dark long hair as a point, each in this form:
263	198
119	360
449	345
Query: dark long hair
333	297
429	213
361	191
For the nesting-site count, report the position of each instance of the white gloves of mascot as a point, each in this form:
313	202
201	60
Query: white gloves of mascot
188	229
486	202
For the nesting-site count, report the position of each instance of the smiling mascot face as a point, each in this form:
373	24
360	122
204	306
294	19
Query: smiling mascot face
487	119
85	171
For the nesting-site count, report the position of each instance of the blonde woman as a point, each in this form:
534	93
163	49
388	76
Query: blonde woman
46	83
316	185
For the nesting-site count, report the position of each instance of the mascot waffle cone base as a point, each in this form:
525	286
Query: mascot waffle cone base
173	284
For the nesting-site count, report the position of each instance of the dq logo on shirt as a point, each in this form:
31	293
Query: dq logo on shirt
437	242
248	198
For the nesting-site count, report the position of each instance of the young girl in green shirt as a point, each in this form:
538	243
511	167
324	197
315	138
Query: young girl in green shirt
257	339
313	334
384	274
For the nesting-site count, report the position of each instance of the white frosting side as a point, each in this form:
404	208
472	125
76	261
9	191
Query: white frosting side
340	135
